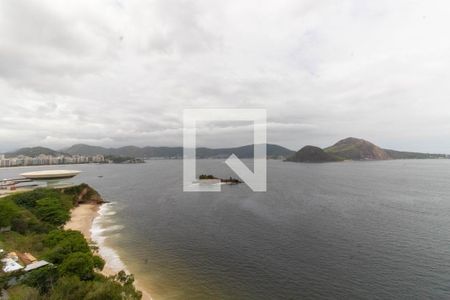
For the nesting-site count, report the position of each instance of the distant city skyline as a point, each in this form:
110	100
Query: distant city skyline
42	159
116	73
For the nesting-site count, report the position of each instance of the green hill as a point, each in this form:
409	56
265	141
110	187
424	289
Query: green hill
33	152
312	154
35	221
357	149
273	151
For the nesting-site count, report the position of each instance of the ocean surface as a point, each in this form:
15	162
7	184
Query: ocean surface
360	230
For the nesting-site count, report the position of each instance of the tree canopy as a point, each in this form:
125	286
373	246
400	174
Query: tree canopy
36	219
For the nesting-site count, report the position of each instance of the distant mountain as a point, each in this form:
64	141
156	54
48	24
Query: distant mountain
273	151
88	150
128	151
357	149
349	148
313	154
413	155
33	152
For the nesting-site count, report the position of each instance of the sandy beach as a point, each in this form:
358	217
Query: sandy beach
82	219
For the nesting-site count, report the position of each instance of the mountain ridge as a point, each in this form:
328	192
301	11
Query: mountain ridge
346	149
33	151
273	151
356	149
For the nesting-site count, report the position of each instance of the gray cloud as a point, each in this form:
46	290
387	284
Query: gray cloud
121	72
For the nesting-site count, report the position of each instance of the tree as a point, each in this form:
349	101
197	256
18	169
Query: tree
34	217
78	264
99	263
52	210
23	292
70	288
64	242
29	199
126	281
8	211
123	278
107	290
42	279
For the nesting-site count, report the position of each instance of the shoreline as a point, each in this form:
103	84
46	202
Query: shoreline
82	218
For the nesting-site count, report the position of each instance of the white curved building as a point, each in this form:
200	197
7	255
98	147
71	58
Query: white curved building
50	174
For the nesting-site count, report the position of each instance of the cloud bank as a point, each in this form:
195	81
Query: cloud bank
115	73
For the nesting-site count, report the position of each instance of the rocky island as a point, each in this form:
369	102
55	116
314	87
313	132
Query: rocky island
355	149
230	180
312	154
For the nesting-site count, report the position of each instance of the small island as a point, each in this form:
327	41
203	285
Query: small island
230	180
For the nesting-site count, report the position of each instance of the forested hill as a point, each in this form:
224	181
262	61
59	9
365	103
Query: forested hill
35	220
356	149
273	151
312	154
33	152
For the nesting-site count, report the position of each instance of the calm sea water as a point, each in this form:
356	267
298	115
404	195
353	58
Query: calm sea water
339	230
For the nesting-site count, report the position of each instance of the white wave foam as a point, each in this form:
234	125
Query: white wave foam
111	257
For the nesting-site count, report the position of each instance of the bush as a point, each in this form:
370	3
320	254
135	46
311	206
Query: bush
62	243
83	190
106	290
27	222
8	211
42	279
99	263
70	288
78	264
23	292
29	199
52	210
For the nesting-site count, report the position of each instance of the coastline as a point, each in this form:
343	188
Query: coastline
83	218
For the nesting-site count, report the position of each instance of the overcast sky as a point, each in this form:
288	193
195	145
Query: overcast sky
115	73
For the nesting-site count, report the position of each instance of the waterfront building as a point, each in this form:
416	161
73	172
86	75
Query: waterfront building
43	159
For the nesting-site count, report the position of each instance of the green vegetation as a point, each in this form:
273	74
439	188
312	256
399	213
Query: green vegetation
52	210
414	155
83	193
8	212
23	292
124	159
273	151
36	219
33	152
230	180
204	176
357	149
311	154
